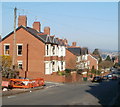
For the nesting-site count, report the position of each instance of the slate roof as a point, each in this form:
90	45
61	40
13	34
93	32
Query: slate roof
78	51
84	51
95	56
39	35
28	29
75	51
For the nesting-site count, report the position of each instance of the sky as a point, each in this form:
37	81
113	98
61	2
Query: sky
90	24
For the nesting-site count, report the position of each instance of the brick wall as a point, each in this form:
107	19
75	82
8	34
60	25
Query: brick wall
70	60
93	62
35	52
74	77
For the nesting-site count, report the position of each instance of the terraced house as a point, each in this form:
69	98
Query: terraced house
80	58
40	54
37	53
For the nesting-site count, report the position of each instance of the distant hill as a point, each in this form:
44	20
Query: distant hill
104	50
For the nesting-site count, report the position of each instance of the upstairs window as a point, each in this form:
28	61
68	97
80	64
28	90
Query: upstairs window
47	53
53	50
6	49
19	49
47	49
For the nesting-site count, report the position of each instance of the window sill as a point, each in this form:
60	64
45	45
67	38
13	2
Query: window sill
19	55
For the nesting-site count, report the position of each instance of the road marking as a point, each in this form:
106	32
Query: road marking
53	86
54	83
11	96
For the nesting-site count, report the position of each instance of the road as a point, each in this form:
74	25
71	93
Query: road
89	93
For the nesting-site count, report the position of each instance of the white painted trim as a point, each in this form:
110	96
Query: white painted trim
19	61
19	44
93	57
6	43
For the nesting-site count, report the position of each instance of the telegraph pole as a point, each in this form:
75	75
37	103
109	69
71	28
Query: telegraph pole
14	39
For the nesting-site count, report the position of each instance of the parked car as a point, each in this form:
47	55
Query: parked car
114	78
97	79
109	76
105	77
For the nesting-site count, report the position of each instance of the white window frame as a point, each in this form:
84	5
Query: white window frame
88	62
78	59
5	49
17	49
20	62
48	68
47	50
53	50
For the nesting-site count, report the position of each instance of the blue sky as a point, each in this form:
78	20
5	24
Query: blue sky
90	24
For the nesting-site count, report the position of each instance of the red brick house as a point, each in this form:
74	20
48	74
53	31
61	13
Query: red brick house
37	53
79	58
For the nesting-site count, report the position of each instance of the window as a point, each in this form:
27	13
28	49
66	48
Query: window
19	50
20	65
6	49
47	49
61	65
88	62
53	50
78	59
48	67
53	66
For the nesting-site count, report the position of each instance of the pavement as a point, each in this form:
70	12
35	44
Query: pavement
47	85
11	93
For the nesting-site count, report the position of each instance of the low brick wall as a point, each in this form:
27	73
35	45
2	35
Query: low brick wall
73	77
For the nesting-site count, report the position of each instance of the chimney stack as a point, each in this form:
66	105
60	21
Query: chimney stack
22	20
74	43
66	42
37	26
47	30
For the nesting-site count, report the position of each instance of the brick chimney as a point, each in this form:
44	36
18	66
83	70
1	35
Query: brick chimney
22	20
65	41
47	30
74	43
37	26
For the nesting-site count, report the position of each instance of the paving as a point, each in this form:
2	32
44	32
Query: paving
47	85
85	93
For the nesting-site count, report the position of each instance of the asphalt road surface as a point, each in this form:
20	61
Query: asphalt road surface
103	93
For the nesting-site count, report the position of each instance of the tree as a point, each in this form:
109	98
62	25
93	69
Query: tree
94	71
108	58
96	52
6	62
106	64
100	59
6	65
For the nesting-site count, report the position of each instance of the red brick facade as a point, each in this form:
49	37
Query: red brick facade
70	60
36	52
35	57
92	62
